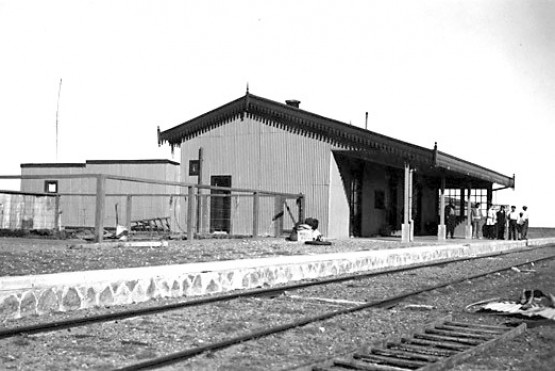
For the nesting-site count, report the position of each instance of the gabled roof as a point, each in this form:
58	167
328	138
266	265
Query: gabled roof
96	162
339	134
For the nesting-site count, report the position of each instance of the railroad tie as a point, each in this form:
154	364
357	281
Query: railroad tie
438	346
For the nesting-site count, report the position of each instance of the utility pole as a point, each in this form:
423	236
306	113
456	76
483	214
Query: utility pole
57	112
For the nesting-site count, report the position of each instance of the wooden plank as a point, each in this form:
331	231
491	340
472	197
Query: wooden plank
458	334
475	325
326	300
128	212
390	360
437	344
459	358
191	213
57	213
471	330
422	349
447	339
99	211
367	366
406	354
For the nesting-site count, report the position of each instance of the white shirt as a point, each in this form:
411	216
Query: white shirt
513	215
476	214
492	217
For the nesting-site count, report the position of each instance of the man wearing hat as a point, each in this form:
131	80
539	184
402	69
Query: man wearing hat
513	219
501	223
525	216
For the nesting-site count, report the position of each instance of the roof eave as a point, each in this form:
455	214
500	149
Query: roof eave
344	135
454	164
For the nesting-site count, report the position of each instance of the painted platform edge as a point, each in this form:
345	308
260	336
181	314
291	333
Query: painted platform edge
23	296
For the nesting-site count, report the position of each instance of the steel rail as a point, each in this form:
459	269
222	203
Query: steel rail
189	353
272	291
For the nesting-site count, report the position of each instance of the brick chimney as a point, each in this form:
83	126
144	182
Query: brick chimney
293	103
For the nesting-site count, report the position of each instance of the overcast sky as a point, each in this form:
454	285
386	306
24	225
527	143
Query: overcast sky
477	77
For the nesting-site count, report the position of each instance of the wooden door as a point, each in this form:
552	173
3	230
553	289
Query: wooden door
220	206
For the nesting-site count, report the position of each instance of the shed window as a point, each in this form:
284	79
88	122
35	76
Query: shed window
194	167
51	186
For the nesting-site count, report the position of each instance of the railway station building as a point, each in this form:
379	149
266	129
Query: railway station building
356	182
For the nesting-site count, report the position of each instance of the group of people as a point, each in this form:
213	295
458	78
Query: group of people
497	220
518	223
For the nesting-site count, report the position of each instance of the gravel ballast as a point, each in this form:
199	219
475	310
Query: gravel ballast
115	344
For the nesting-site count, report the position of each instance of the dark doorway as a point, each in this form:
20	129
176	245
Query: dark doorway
355	202
417	209
220	206
392	212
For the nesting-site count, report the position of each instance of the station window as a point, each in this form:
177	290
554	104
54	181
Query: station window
453	196
458	198
481	196
51	186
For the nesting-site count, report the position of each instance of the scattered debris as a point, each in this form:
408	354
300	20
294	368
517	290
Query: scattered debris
325	300
134	342
532	303
419	307
518	270
122	233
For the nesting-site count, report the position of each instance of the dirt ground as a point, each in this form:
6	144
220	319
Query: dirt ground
26	257
20	256
76	350
535	349
117	344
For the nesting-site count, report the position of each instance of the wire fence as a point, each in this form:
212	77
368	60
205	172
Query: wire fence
20	211
99	206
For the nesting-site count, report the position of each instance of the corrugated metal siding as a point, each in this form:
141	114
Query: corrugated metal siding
264	157
144	207
75	210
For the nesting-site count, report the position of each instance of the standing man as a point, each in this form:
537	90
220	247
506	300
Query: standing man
491	223
525	217
501	222
476	220
451	219
513	221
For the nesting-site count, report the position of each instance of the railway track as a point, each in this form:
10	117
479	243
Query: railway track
263	292
210	347
390	301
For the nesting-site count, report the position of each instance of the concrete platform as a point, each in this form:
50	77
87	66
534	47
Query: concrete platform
22	296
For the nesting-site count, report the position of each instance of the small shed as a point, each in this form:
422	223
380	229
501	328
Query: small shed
78	200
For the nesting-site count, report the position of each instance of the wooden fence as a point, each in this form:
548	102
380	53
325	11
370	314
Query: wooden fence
96	201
